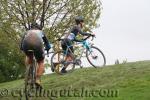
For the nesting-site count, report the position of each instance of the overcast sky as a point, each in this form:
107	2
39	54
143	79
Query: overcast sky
125	30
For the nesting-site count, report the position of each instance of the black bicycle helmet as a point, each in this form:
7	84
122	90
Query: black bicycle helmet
79	19
35	25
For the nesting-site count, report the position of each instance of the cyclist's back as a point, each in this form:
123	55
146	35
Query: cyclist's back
33	40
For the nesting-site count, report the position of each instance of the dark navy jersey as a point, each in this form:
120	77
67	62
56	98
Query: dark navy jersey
74	32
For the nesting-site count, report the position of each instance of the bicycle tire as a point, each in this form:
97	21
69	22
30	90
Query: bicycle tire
26	82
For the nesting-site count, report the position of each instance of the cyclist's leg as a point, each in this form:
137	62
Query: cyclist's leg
28	59
69	56
29	56
39	55
64	47
40	71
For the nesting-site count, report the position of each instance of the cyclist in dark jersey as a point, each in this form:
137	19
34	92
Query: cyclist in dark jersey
76	30
33	40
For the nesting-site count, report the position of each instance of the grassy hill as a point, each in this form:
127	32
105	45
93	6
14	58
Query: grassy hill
129	81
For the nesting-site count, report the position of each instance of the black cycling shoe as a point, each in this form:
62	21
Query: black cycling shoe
63	70
52	69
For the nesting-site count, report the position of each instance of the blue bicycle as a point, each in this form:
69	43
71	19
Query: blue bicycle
86	49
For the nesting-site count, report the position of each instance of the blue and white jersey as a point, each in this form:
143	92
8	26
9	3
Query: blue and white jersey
71	36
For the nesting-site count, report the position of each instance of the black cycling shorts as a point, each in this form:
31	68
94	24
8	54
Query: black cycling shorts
67	43
38	50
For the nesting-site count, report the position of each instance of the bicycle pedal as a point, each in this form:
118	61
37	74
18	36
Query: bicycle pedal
78	62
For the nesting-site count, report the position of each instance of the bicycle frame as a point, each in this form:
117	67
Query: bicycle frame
85	45
83	48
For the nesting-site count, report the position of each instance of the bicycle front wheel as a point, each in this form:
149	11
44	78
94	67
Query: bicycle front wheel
58	62
95	57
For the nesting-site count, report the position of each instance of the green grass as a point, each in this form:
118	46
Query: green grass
129	81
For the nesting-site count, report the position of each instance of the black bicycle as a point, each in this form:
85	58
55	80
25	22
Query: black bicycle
93	54
31	88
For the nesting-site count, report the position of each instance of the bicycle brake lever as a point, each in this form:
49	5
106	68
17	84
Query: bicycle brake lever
92	38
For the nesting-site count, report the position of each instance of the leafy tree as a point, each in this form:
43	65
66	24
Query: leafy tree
11	60
55	18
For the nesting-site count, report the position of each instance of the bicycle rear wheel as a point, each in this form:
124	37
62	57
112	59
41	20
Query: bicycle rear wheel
30	77
95	57
58	62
